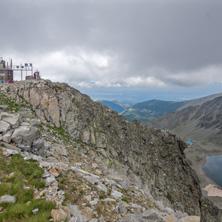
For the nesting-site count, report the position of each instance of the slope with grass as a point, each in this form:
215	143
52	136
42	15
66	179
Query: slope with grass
20	178
146	111
198	123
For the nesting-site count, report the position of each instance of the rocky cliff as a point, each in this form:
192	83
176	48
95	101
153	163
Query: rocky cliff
153	157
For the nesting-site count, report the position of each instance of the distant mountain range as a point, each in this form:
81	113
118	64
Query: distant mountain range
146	111
202	122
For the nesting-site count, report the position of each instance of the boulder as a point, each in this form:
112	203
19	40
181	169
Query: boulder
9	152
35	211
58	215
92	179
94	202
7	137
102	187
12	119
170	218
38	144
94	220
7	199
192	219
4	126
46	174
4	108
76	215
121	209
67	211
149	216
61	150
129	218
115	194
50	180
25	135
121	179
54	172
152	215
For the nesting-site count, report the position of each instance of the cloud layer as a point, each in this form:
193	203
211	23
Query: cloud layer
115	43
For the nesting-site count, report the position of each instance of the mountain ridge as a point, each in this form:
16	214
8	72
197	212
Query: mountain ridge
148	110
195	121
155	156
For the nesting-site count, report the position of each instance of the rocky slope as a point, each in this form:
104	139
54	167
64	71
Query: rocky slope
152	160
81	186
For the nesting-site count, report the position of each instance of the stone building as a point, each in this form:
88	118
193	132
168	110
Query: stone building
6	72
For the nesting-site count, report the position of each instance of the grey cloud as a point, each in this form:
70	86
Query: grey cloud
168	35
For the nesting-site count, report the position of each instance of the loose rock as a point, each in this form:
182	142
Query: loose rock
7	199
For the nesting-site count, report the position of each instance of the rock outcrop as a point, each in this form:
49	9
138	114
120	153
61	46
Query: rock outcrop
25	135
153	158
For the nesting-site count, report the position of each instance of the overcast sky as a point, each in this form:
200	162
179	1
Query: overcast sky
107	46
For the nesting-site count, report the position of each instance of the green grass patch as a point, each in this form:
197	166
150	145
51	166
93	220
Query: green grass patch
74	188
58	132
101	197
19	178
170	198
125	199
23	211
12	105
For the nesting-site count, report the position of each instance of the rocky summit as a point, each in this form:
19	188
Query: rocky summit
97	165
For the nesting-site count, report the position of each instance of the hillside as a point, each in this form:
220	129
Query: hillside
203	126
146	111
114	106
101	167
198	123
